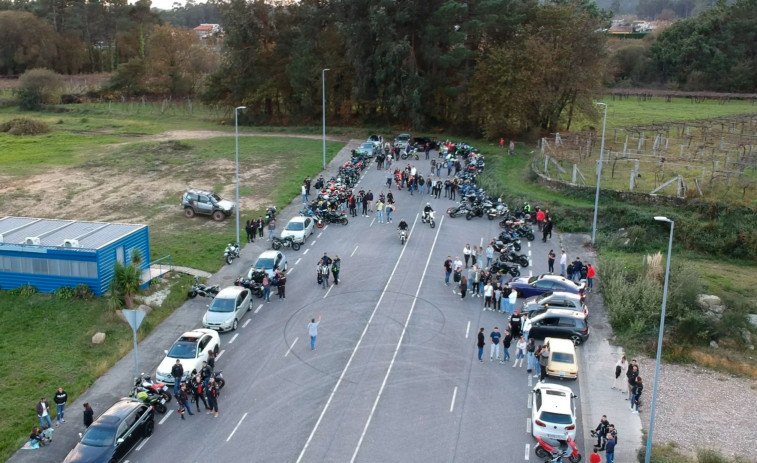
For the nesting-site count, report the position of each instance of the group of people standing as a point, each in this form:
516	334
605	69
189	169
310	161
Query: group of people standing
525	348
201	386
43	433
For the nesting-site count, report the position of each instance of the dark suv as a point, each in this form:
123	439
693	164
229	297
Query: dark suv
118	430
558	323
206	203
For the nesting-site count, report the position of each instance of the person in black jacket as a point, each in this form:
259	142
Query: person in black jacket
506	341
601	431
177	371
60	399
481	343
631	375
89	415
198	392
638	387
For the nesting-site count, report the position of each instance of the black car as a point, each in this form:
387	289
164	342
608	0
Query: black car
118	430
558	323
421	143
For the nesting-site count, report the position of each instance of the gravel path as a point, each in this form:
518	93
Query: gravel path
699	408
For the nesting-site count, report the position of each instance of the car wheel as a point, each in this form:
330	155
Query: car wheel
215	350
576	340
150	426
218	216
234	325
296	246
189	212
541	453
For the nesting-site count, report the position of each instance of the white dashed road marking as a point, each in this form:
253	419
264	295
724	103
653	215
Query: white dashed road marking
290	347
354	250
235	427
452	404
168	413
467	330
233	338
258	309
246	323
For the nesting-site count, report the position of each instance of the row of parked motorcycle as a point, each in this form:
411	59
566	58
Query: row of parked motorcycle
158	394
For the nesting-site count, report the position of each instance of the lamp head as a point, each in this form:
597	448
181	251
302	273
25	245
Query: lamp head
660	218
240	107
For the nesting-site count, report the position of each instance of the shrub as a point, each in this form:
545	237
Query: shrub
38	87
24	126
82	291
25	290
64	293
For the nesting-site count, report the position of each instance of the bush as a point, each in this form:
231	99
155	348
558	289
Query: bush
24	126
64	293
38	87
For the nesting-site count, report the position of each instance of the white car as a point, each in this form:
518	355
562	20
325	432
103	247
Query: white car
227	308
191	349
270	261
299	228
553	412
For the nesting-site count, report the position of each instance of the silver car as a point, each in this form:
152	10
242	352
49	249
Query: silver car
227	308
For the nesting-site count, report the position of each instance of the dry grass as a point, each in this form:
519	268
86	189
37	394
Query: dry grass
725	361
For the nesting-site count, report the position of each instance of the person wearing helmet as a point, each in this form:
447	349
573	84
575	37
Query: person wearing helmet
402	225
426	211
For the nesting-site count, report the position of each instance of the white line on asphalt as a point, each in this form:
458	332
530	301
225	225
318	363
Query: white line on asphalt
220	354
530	383
290	346
328	291
142	444
233	338
528	398
452	404
247	323
168	413
528	425
354	250
326	227
298	260
467	330
530	273
399	342
529	253
372	221
529	244
258	309
290	270
319	235
528	451
313	242
235	427
306	251
354	351
481	243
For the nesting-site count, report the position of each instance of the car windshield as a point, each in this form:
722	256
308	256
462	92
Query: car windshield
99	436
367	146
544	296
532	279
183	350
264	262
562	357
403	137
222	305
556	418
295	226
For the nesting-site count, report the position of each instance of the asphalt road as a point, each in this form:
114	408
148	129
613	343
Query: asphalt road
395	375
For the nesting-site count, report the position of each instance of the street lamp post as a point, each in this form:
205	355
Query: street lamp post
236	136
599	176
650	436
323	110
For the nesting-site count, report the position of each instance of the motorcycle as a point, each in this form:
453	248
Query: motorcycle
554	450
158	388
411	155
200	289
157	401
252	285
476	211
332	217
508	254
494	212
505	239
232	252
288	242
505	267
403	236
430	219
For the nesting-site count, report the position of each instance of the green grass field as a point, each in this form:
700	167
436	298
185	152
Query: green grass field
47	341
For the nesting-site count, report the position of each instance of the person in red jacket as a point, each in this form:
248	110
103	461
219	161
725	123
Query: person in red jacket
540	216
590	274
594	457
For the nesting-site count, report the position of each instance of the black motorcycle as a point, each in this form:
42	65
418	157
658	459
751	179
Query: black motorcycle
509	255
333	217
504	240
254	286
288	242
505	267
200	289
149	397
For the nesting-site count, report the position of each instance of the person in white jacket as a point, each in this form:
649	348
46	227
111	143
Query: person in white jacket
520	350
620	374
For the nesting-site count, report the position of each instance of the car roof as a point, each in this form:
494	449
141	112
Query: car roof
119	410
298	218
268	254
553	398
549	276
230	292
562	313
565	294
196	333
560	344
199	192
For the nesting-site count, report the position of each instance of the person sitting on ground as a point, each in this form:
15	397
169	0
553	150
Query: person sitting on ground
38	436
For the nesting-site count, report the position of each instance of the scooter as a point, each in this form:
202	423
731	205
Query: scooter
429	219
200	289
554	450
158	388
231	252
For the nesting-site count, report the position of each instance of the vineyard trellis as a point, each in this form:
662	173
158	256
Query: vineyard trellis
717	156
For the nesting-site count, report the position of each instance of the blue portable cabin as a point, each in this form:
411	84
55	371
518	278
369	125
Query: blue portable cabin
52	253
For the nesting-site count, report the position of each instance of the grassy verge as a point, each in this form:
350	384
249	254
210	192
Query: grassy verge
46	343
670	454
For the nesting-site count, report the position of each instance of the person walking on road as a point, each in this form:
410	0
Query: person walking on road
60	400
631	375
594	457
177	371
508	339
271	229
520	351
620	368
480	343
43	413
601	431
610	449
547	231
281	284
489	255
323	269
494	350
212	394
488	292
88	415
261	226
466	254
266	288
551	261
463	286
183	401
313	331
447	269
563	262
